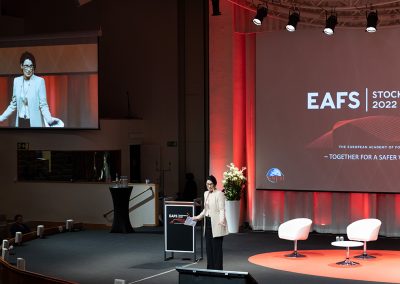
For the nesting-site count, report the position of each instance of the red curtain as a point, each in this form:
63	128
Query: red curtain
232	137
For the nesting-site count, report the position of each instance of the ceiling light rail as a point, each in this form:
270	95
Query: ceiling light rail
348	13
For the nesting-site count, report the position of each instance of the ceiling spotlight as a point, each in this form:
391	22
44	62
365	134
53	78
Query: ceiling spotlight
261	14
330	25
294	18
215	8
372	21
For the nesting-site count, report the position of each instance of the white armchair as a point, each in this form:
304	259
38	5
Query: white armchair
295	230
364	230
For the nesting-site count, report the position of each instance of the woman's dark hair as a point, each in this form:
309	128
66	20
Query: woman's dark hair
213	179
27	55
17	216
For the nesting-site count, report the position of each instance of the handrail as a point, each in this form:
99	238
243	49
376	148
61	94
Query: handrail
112	210
47	232
11	274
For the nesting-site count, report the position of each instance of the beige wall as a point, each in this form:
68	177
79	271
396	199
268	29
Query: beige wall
55	201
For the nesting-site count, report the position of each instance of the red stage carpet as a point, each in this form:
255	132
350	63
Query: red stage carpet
384	268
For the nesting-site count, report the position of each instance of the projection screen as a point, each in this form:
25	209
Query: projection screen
327	111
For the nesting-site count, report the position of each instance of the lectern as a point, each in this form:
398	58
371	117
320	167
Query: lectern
120	197
177	236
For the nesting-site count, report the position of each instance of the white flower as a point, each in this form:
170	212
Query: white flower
233	182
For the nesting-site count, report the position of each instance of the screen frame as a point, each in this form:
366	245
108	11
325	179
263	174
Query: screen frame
305	189
68	38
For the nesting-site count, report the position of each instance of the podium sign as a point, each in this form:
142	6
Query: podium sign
178	236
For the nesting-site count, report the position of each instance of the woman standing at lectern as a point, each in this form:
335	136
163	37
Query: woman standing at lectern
215	223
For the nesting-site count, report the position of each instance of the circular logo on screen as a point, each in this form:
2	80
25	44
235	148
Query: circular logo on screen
275	175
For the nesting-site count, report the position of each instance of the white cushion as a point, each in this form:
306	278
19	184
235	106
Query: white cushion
295	229
364	230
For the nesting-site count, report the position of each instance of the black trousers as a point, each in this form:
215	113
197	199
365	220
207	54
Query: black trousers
213	248
24	123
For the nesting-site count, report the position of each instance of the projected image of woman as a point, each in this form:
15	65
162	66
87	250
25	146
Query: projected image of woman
29	98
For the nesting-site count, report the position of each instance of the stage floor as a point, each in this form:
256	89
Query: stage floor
99	257
383	268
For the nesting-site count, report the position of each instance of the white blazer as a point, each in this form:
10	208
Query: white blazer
39	113
216	202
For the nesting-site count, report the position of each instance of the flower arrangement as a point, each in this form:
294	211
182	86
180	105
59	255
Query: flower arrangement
233	182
